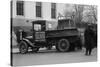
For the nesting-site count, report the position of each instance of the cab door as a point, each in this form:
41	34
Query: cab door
39	36
39	32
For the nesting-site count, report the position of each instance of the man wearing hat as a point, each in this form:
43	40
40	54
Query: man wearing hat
89	39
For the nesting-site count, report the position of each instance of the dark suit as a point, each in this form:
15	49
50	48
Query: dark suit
89	40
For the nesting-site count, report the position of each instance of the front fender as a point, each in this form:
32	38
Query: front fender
29	42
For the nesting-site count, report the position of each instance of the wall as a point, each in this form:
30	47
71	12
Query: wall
30	13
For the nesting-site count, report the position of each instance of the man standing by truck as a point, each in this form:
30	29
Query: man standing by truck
20	34
89	39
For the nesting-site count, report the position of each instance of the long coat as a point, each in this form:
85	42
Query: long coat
18	36
89	38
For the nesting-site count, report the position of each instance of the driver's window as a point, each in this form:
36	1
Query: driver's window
37	27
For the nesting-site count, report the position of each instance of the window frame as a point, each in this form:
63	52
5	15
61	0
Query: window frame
20	8
53	10
39	9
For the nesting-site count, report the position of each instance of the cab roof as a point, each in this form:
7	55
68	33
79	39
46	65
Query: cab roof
39	22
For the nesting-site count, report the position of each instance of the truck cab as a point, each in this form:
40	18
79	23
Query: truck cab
36	40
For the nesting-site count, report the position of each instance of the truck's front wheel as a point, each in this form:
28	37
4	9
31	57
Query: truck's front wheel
23	47
63	45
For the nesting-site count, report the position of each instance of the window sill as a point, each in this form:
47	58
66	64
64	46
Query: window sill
20	16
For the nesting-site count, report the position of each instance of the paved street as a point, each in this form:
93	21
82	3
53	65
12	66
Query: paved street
52	57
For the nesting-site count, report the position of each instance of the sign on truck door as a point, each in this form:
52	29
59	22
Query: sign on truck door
39	34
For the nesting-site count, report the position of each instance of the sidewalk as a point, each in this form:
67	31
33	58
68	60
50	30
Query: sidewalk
15	50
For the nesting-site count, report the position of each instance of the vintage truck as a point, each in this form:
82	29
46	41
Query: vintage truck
64	38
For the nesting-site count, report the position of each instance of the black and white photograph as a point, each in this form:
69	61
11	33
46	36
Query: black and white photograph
45	33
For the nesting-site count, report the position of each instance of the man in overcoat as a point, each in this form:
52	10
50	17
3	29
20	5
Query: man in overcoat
89	39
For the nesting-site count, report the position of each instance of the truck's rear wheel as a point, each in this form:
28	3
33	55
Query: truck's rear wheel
63	45
23	47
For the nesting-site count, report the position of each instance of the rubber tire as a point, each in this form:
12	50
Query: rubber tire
22	45
65	47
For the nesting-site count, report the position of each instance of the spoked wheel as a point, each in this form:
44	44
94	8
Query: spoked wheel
23	48
63	45
34	49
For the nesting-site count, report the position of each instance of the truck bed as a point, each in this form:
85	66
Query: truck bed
62	33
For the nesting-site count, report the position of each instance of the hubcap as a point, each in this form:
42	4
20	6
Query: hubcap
23	48
63	45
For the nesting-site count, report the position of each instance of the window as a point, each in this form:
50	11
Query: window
37	27
53	10
20	7
38	9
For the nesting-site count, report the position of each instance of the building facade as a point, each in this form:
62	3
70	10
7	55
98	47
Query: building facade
24	12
